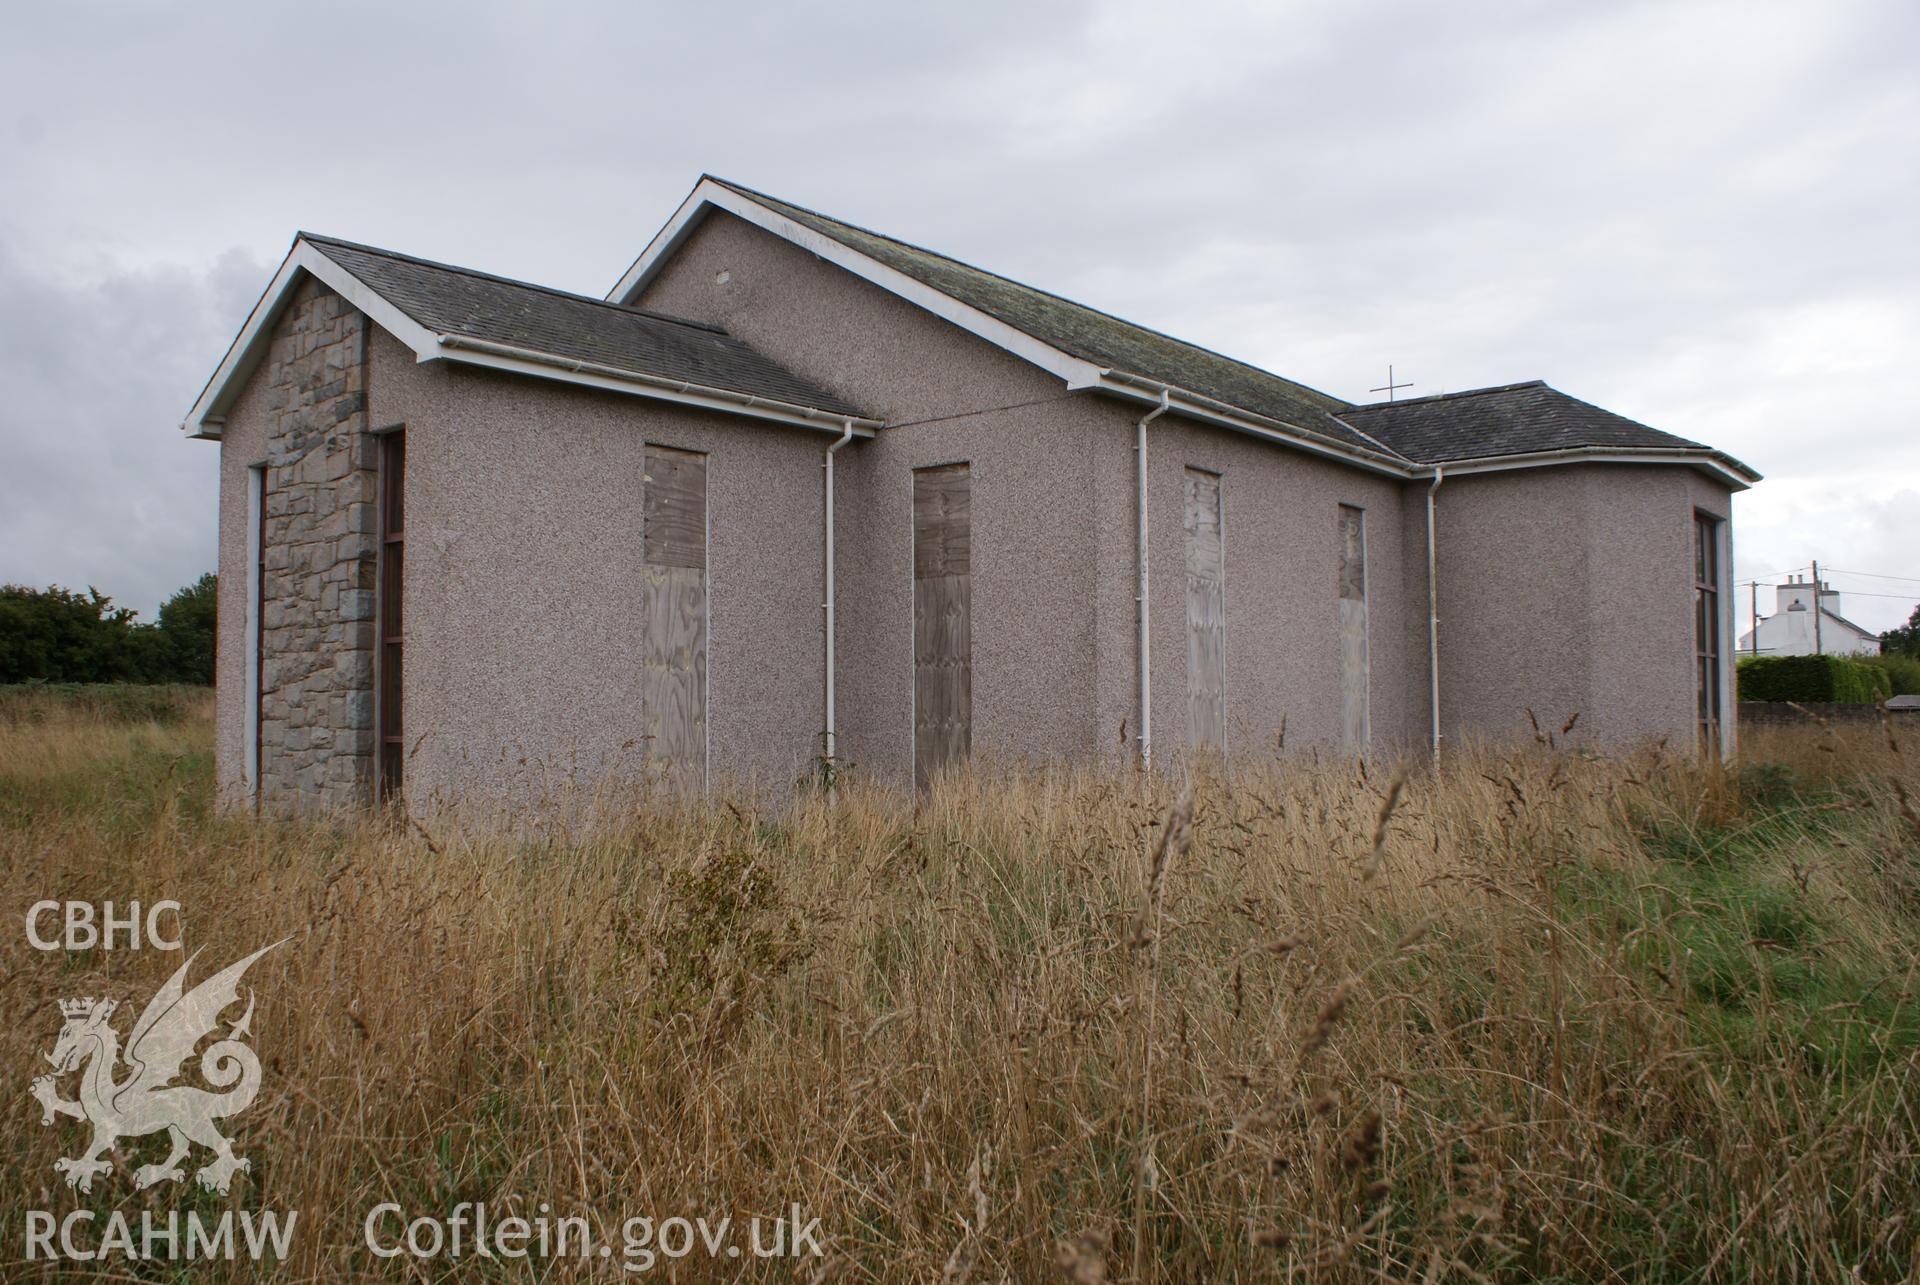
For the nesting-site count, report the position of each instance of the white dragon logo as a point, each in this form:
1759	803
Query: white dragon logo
147	1101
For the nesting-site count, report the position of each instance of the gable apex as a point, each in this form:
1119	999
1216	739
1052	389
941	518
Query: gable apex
1524	425
1083	347
458	315
711	193
304	260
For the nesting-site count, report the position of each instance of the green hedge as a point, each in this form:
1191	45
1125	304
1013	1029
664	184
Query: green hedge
1813	678
1904	671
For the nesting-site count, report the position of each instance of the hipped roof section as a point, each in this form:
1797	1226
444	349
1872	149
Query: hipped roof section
474	318
1508	421
1094	350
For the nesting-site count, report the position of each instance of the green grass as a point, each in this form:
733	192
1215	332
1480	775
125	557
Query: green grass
1741	917
40	703
1621	1018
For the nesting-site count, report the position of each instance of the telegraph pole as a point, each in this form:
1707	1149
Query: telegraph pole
1754	600
1818	610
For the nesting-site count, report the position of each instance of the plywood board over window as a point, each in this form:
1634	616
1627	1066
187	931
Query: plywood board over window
1206	612
942	619
1352	580
673	652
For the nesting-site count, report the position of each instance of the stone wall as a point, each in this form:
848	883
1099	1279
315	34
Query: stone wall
1807	713
320	553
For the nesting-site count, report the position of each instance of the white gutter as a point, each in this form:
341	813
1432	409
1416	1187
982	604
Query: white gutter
1732	471
510	357
830	736
1433	612
1273	430
1232	417
1142	601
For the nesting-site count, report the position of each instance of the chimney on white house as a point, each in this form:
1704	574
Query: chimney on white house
1798	595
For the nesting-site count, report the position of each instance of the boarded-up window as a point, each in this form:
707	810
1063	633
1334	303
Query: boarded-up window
942	619
1206	612
1706	629
673	655
1352	580
392	750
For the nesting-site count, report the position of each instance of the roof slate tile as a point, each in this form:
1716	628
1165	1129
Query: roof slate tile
478	305
1090	334
1513	419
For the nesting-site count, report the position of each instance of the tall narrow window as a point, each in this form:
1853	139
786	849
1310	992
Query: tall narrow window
1206	612
256	633
673	653
1354	699
942	619
1706	629
391	751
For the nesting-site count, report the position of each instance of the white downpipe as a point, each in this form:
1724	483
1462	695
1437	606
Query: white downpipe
1141	602
831	734
1433	612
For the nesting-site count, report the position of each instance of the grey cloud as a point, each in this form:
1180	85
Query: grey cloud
98	486
1697	213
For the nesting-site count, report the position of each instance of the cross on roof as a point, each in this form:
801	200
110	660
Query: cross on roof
1389	386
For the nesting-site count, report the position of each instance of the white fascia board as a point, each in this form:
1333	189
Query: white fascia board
1193	406
1706	461
205	419
1075	371
685	219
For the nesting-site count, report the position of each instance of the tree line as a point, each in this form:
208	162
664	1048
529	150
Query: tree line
56	635
1905	640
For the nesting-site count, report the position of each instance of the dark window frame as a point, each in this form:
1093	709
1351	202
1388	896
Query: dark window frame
1709	645
259	658
390	619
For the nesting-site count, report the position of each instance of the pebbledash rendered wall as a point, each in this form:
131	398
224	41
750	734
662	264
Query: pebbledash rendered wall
303	416
1055	633
1051	512
1569	591
1280	513
523	559
1562	590
524	563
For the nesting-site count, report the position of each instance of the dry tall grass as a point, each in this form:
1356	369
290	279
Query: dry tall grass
1545	1016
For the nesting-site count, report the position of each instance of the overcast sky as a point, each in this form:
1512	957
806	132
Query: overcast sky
1703	216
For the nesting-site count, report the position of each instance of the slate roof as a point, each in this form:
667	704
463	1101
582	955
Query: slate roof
1513	419
478	305
1090	334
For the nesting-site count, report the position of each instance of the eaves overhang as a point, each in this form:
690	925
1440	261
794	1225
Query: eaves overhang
208	414
1716	464
1079	374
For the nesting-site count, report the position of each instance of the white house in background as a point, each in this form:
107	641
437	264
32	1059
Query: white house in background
1789	631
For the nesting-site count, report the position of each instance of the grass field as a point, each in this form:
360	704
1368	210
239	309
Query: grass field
1543	1016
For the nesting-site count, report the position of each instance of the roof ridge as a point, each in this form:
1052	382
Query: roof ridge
1469	392
756	194
322	240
